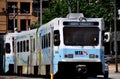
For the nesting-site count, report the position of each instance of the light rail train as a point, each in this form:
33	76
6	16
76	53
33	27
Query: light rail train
64	47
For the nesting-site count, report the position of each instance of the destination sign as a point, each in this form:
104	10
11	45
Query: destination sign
81	23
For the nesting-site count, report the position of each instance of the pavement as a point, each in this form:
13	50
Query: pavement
112	68
112	74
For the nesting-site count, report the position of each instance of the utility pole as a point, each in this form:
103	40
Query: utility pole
27	27
77	6
40	12
69	8
115	37
14	15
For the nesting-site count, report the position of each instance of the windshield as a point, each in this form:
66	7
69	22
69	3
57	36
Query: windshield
81	36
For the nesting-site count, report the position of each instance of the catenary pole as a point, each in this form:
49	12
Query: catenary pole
115	37
40	12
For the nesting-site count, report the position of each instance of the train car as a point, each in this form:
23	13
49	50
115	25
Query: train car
9	53
72	47
20	56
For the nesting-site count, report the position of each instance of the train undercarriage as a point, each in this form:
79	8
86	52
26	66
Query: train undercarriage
80	70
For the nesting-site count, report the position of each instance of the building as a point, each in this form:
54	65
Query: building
3	19
16	15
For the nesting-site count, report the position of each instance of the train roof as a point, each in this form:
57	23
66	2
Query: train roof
70	17
21	33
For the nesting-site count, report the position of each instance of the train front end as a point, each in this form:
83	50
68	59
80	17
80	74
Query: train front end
80	52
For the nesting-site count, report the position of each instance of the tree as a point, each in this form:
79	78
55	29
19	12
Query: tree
98	9
90	9
35	25
56	9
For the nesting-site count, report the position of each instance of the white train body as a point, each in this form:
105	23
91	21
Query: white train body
70	43
20	56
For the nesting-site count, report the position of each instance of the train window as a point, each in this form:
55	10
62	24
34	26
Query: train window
13	44
46	41
83	36
27	45
34	44
7	48
56	38
49	39
43	42
18	48
24	46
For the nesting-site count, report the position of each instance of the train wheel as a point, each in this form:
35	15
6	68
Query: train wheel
94	75
36	70
11	69
19	71
106	74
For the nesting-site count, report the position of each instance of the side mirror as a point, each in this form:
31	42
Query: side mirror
56	38
7	48
106	36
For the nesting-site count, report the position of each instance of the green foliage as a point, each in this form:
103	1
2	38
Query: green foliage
56	9
35	25
90	8
98	9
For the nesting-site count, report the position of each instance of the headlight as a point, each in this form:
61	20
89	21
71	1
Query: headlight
68	55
